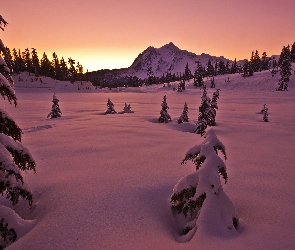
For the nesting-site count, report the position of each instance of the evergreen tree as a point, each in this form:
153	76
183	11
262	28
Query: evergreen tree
63	70
55	110
264	62
264	111
45	66
187	73
35	62
198	199
292	51
165	117
274	66
212	83
285	68
198	75
214	99
14	157
79	70
72	70
8	58
203	108
234	68
221	68
27	60
184	116
111	109
55	67
247	69
210	69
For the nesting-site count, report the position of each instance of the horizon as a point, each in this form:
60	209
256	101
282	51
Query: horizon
111	35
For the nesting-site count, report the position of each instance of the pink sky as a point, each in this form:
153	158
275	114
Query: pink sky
110	34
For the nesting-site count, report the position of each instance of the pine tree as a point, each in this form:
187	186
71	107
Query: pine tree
198	200
56	67
110	106
14	157
234	68
264	62
55	110
292	51
27	60
35	62
285	68
210	69
45	66
63	70
72	70
198	75
165	117
187	72
264	111
184	116
202	122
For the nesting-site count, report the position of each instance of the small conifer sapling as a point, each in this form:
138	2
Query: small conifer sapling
164	116
184	116
110	106
55	110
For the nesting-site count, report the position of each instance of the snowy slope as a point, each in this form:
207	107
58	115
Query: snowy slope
104	181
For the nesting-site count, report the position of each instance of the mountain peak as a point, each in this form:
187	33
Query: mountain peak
170	46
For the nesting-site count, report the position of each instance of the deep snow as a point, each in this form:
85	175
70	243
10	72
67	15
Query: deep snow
105	181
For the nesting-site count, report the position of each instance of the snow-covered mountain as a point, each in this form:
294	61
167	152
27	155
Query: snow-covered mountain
168	59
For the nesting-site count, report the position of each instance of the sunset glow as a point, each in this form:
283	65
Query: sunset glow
110	34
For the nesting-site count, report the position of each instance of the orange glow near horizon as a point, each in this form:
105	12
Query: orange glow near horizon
110	34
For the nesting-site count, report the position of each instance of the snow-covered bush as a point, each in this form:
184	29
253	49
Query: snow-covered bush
165	117
198	200
110	106
14	157
127	108
55	110
184	116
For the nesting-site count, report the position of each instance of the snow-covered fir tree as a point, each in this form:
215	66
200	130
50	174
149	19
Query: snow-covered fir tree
212	83
203	113
55	110
264	111
127	108
285	68
110	106
198	199
214	99
198	75
14	157
184	115
164	116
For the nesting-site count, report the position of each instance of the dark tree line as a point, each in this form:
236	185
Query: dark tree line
28	60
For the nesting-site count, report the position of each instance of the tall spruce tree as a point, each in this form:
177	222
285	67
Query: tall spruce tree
292	51
285	68
14	157
35	62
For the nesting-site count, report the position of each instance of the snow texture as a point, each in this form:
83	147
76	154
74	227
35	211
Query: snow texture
104	181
